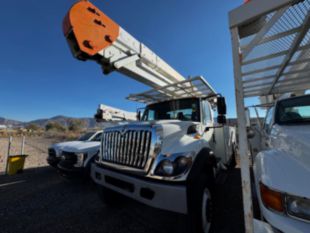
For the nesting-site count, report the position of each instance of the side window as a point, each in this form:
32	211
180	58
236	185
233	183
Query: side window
207	114
268	120
97	138
151	115
148	115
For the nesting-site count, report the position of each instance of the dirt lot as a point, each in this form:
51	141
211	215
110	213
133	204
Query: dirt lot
35	147
40	200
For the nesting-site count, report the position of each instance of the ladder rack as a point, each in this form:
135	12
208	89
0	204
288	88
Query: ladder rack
193	87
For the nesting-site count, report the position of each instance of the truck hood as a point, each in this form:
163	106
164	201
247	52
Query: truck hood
173	128
77	146
284	172
295	141
169	127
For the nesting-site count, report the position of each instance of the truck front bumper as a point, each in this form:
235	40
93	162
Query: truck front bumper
53	160
68	167
171	197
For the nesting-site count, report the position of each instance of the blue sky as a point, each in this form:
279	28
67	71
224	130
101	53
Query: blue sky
40	78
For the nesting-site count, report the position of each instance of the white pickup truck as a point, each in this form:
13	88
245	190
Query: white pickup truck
282	168
75	156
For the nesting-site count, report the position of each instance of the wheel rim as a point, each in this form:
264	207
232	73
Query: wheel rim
206	210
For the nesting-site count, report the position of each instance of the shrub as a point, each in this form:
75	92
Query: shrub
76	125
54	126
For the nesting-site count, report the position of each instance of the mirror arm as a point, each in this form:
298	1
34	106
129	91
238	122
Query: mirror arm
213	127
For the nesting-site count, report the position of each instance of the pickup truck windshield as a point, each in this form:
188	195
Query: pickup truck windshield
293	111
86	136
183	109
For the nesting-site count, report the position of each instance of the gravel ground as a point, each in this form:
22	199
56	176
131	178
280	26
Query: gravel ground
40	200
35	148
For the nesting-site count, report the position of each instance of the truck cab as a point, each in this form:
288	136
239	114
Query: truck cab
282	167
168	159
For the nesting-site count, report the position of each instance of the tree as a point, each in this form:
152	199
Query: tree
76	125
54	126
32	127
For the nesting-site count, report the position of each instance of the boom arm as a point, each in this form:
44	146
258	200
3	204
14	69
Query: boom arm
107	113
92	35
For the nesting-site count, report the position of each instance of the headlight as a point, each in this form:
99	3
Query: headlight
58	153
284	203
167	167
298	207
80	157
174	165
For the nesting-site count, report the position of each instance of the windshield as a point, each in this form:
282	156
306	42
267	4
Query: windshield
97	138
293	111
86	136
184	110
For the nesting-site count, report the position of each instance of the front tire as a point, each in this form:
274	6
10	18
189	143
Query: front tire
206	212
201	205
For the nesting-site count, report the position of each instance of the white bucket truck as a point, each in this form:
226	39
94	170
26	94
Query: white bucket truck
170	157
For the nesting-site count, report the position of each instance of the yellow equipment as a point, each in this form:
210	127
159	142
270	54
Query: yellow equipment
16	164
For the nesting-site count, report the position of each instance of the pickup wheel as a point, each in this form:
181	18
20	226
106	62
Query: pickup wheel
232	163
110	197
201	204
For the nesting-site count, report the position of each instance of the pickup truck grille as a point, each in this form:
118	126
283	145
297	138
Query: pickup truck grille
51	152
69	157
130	148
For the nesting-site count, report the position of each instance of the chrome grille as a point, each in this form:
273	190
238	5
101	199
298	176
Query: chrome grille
131	148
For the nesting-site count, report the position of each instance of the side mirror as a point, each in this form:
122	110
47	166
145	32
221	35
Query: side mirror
221	119
139	115
99	115
250	133
221	110
221	105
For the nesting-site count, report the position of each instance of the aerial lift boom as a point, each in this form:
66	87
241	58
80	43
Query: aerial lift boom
106	113
92	35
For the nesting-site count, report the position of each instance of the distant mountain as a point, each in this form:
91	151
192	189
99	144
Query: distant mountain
63	120
4	121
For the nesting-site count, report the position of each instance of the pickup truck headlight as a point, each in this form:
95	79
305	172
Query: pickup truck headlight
80	157
283	203
174	164
298	207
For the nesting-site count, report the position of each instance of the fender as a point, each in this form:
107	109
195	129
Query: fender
201	172
203	161
91	157
280	170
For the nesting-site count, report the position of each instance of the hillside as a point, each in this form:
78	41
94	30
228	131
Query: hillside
63	120
4	121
